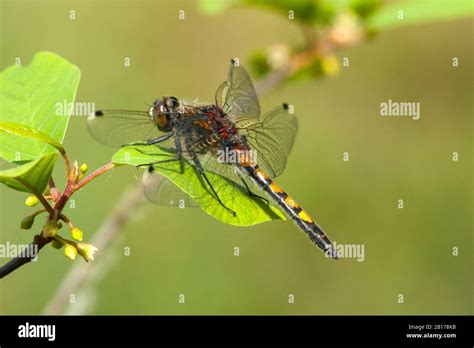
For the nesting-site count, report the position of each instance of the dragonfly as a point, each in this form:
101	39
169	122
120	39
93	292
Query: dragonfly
200	133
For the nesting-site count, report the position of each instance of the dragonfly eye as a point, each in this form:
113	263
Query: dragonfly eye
172	103
158	108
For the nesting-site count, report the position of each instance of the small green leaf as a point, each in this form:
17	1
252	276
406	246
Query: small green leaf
411	12
30	177
28	132
259	63
212	7
56	244
250	211
364	9
33	96
27	222
319	12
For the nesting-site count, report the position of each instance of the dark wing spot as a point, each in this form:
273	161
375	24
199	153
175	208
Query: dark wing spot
99	113
285	106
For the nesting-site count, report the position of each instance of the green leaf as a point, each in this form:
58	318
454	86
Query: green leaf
321	12
212	7
28	132
33	96
30	177
419	11
250	211
259	63
364	9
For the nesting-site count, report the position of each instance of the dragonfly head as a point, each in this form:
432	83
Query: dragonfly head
163	111
172	103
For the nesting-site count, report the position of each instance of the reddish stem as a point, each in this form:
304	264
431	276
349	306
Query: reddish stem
92	176
40	197
67	163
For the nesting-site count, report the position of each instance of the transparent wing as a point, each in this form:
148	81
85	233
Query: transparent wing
237	97
160	190
121	127
272	137
210	163
210	159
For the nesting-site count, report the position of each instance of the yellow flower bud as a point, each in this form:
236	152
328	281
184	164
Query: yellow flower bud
84	168
330	65
76	234
31	201
70	251
87	251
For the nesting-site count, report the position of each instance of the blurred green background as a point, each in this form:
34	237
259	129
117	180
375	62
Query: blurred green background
407	251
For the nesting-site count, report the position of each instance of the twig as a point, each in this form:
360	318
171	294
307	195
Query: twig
40	197
271	81
28	254
54	213
67	163
106	234
93	175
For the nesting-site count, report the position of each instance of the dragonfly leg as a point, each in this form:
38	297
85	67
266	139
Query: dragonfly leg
179	155
251	194
160	139
150	165
201	171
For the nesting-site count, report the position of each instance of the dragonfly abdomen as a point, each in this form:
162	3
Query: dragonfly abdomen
290	207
